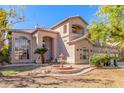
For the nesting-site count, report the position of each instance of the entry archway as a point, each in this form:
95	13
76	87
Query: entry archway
48	43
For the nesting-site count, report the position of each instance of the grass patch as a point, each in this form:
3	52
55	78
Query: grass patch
9	72
15	70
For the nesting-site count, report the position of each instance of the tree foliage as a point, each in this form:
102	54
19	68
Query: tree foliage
109	25
41	52
8	18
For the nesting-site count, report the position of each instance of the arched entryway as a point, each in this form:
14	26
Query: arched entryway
48	43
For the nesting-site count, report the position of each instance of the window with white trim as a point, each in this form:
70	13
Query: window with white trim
22	47
85	55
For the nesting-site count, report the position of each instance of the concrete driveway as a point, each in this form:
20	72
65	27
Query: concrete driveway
120	64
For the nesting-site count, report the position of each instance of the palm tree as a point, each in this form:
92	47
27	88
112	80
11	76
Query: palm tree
41	52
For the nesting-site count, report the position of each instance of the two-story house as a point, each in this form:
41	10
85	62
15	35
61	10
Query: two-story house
67	37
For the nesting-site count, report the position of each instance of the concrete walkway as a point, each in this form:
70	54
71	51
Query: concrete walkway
74	74
84	70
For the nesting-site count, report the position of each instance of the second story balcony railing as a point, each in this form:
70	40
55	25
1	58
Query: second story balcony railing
75	35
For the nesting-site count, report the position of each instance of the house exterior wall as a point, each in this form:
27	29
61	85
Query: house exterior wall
17	35
76	21
39	35
60	29
76	53
64	48
64	38
79	51
36	41
92	51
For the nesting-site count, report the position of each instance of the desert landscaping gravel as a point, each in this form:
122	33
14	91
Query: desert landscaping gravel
98	78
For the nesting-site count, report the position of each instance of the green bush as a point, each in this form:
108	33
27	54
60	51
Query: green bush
4	59
4	54
99	60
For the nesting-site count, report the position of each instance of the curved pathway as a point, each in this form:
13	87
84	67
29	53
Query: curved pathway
86	70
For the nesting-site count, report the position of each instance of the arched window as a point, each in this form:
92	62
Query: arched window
22	46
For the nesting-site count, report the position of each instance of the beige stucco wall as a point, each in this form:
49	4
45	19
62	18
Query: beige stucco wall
60	29
79	45
69	24
39	35
64	38
36	41
77	21
29	37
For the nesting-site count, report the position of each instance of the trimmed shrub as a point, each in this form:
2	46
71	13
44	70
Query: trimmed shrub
99	60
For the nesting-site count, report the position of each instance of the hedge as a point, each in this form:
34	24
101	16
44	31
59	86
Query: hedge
99	60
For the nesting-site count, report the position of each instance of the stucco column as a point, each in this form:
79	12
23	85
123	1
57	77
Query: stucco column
39	42
55	50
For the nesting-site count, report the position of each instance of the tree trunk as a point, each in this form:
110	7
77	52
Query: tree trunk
42	58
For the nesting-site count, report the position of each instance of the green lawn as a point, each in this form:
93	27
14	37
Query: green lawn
9	72
15	70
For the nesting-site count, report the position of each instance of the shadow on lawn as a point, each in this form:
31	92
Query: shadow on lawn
80	80
88	80
19	68
28	81
23	68
20	82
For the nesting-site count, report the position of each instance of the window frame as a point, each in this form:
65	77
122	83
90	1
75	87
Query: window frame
22	48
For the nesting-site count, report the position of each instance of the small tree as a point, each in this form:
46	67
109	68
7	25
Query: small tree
5	54
8	18
41	52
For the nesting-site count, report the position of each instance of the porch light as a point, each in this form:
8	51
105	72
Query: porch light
44	43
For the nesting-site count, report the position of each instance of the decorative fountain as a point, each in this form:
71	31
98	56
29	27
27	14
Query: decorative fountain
60	68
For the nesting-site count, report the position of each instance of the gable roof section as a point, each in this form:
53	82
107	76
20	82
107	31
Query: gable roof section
80	38
71	17
28	31
46	30
94	44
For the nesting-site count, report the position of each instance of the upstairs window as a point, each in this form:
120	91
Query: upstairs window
77	29
65	29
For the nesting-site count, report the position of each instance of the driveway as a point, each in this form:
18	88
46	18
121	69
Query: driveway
120	64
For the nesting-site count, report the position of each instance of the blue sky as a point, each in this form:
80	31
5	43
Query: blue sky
47	16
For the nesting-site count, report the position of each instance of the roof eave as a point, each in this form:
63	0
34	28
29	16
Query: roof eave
54	26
